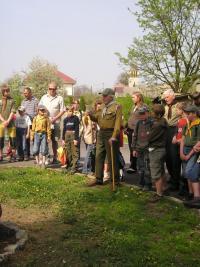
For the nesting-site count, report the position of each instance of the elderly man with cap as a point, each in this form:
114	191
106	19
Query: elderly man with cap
172	150
109	119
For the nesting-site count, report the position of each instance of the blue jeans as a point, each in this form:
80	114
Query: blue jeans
21	142
191	169
87	165
40	144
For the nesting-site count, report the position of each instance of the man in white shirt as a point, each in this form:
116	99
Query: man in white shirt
56	108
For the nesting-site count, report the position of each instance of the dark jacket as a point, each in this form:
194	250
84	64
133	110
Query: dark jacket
71	124
158	133
140	138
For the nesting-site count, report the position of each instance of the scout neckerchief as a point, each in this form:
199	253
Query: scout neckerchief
106	107
190	125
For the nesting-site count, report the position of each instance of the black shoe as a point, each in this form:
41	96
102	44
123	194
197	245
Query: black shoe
55	161
195	203
131	170
189	197
173	187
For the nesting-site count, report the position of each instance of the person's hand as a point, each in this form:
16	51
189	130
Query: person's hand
75	142
27	136
135	154
126	131
111	140
187	157
196	148
183	156
5	123
63	142
174	140
48	140
53	120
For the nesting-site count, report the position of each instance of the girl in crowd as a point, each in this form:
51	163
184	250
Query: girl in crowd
7	113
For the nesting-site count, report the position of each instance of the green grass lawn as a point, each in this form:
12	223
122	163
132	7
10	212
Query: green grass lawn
95	227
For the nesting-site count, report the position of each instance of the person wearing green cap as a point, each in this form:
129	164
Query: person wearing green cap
109	119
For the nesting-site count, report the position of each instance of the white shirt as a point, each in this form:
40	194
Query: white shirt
54	105
22	121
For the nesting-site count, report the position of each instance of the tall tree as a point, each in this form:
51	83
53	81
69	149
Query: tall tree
169	50
123	78
15	83
40	73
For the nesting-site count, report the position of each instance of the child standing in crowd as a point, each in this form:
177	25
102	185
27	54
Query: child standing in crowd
23	123
140	147
70	139
88	133
157	150
182	122
191	169
7	112
41	135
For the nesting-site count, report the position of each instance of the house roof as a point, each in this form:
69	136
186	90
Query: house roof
65	78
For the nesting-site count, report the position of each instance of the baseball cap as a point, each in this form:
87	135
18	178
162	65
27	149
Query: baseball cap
191	108
21	108
143	109
107	91
41	107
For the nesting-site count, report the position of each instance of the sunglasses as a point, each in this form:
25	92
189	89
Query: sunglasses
43	110
52	89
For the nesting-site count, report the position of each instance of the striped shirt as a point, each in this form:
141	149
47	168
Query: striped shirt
30	106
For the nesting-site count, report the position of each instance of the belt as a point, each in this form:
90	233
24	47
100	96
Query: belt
106	129
41	132
68	131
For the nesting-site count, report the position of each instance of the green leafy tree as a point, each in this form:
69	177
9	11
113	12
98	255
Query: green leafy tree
169	50
82	103
15	83
123	78
40	73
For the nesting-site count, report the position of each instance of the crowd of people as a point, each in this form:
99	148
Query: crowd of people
163	136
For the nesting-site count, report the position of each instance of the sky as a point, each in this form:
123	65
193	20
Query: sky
79	36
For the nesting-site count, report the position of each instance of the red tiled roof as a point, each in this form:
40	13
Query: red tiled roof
65	78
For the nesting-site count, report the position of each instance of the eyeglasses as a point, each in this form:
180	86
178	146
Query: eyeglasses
52	89
6	90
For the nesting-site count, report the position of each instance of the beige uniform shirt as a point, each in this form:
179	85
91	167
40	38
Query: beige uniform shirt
109	118
174	118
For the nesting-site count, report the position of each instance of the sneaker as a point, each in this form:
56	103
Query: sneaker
155	198
20	159
131	170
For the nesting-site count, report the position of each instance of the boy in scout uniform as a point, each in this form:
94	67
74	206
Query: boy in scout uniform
109	119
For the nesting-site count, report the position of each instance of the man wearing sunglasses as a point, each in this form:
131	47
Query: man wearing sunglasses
56	108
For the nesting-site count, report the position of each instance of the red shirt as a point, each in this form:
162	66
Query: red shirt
180	126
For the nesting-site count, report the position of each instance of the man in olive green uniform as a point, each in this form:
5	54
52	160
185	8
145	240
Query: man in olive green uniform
109	118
